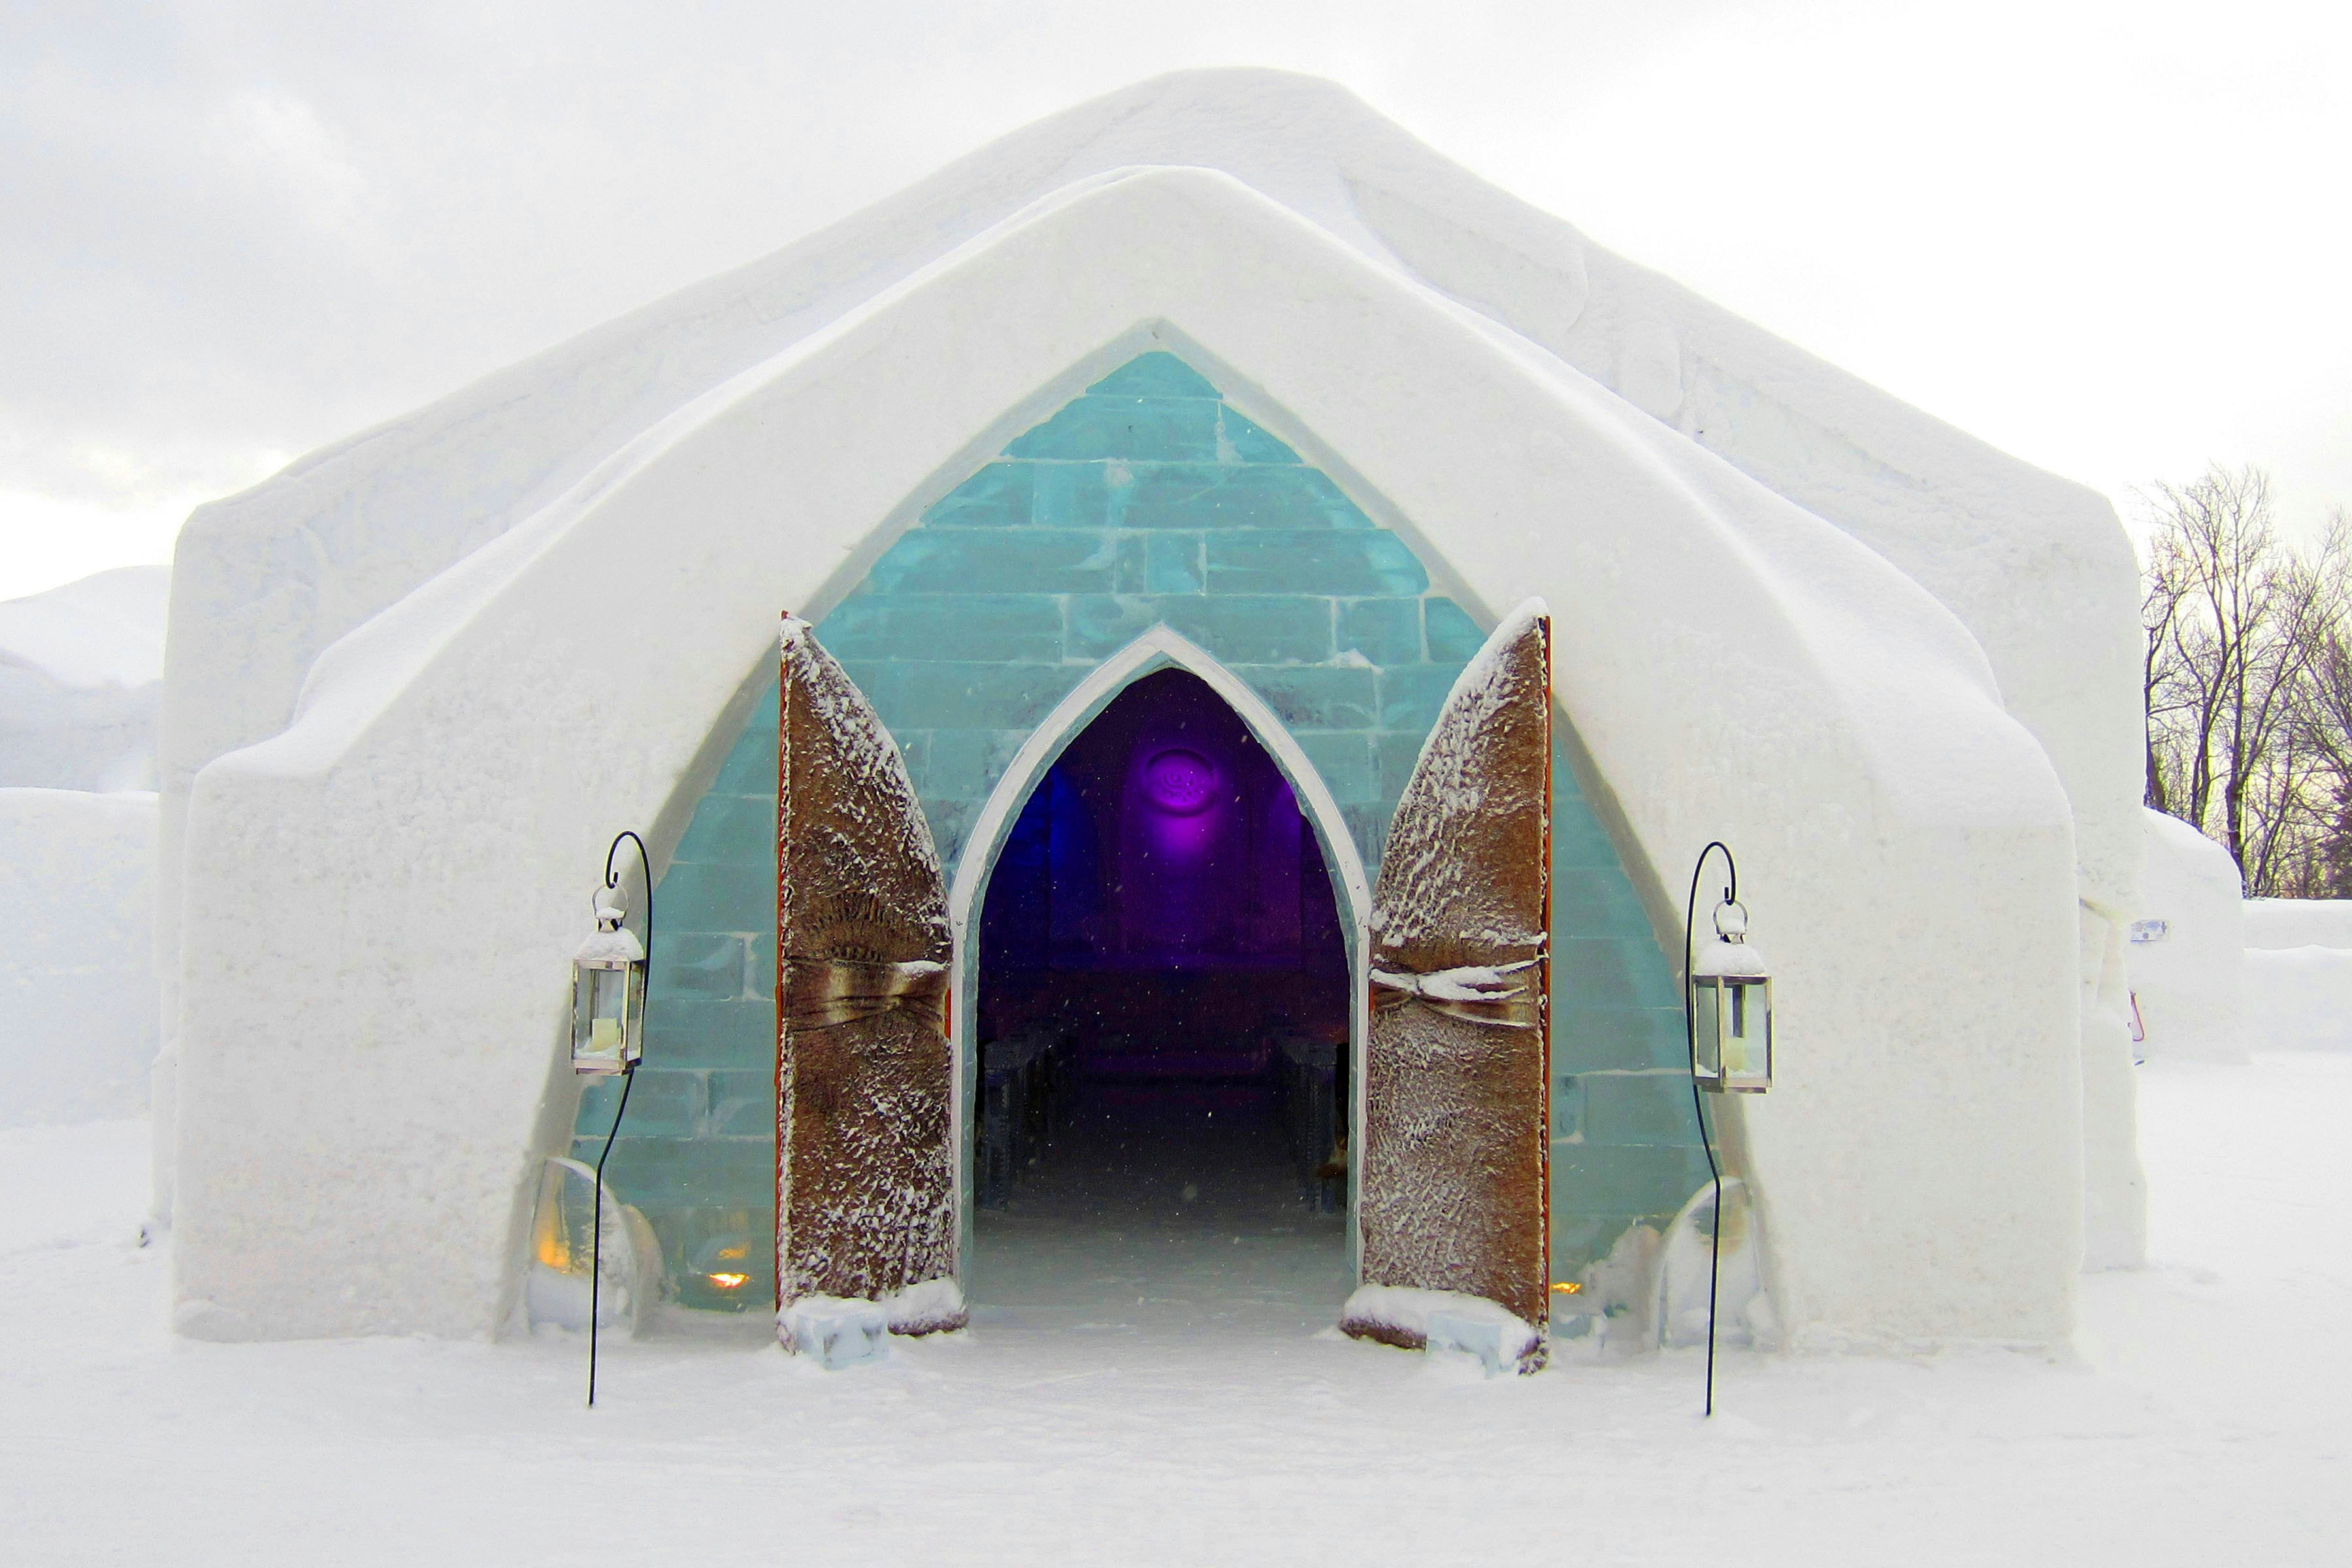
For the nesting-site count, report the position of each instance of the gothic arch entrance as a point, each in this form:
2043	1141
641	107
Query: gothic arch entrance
883	1024
1290	802
1162	1007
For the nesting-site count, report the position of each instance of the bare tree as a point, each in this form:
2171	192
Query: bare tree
2240	631
2162	678
2325	733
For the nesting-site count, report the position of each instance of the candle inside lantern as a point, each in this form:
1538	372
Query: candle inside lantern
1737	1054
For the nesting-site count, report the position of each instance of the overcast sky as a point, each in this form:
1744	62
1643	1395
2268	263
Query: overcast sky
2112	238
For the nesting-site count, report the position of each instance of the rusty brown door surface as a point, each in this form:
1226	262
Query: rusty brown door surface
865	1150
1453	1194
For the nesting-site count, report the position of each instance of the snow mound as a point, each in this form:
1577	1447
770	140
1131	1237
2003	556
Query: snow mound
78	1003
1413	1320
847	1331
106	629
934	1306
2188	945
81	668
2298	922
2299	998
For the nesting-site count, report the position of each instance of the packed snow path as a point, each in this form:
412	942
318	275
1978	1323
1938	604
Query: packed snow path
1146	1223
2201	1420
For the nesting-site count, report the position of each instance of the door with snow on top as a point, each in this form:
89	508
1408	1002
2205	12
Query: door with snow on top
1453	1198
864	1157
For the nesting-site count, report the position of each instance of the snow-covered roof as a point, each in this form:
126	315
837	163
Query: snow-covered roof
272	577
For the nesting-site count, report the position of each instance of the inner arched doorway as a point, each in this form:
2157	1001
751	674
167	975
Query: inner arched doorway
1162	1010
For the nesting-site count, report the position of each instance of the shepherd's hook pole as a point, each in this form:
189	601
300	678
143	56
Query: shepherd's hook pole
1699	1103
628	1079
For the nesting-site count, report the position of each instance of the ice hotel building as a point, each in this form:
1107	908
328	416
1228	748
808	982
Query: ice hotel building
1244	569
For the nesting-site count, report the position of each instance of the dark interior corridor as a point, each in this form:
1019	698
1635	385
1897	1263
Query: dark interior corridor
1162	1002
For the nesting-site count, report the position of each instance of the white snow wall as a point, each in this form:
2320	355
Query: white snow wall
2188	954
2298	973
371	1035
2034	566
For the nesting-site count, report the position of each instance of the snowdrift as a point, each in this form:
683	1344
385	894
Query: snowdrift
81	670
78	997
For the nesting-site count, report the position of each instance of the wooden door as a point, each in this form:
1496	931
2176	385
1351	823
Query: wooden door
865	1150
1454	1194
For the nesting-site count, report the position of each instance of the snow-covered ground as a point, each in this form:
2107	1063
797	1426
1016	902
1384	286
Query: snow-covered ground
2200	1419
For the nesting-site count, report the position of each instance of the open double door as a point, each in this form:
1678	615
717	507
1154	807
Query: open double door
1451	1199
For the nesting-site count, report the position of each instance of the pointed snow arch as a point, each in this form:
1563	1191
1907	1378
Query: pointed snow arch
1158	649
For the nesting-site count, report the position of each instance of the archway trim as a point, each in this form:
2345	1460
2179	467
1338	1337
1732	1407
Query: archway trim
1159	647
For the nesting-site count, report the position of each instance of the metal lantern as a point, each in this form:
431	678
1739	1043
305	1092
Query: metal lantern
608	992
1730	1008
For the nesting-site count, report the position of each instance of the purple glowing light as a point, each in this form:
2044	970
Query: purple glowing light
1180	781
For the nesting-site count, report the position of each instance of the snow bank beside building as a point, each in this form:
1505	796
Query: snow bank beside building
2274	923
77	998
2215	976
2299	998
2188	946
2298	974
81	672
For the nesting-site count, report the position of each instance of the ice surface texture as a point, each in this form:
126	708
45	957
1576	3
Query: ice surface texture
837	1332
1453	1183
1017	583
864	1174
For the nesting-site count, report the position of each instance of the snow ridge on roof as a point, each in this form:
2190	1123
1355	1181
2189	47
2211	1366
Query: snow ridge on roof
274	576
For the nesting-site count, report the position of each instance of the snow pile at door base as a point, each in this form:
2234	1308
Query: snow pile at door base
417	681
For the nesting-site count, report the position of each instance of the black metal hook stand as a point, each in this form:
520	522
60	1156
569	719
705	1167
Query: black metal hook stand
1699	1103
629	1078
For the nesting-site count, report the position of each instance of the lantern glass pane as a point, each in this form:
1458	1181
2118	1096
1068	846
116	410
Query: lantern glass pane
1707	1029
1747	1035
633	1017
602	1017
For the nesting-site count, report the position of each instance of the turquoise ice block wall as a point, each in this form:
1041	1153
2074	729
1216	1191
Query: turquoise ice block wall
1147	499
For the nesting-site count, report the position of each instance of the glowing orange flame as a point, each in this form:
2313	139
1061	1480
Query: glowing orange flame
727	1281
